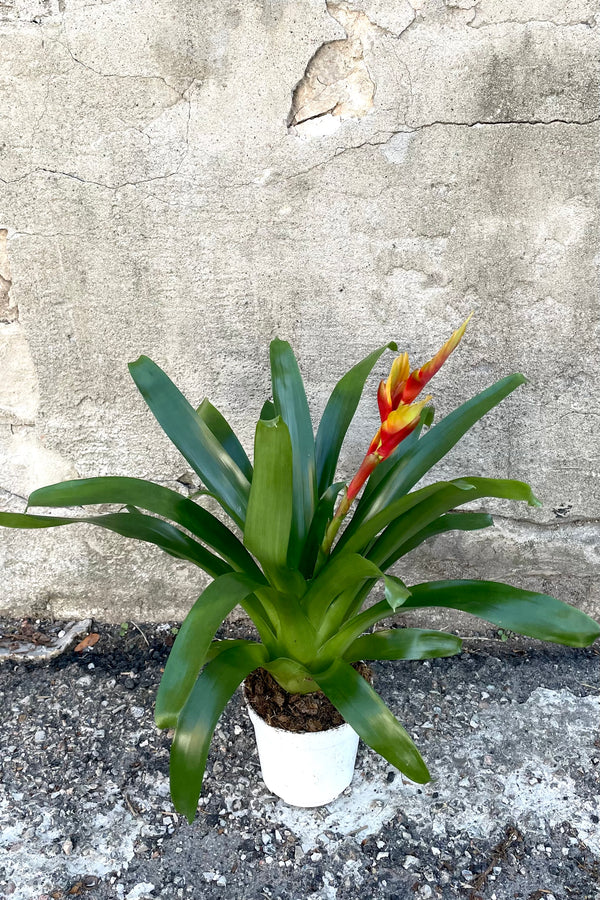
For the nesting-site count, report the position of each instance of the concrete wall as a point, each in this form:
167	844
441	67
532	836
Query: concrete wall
188	180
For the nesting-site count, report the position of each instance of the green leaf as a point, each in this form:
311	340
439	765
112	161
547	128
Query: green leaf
342	572
432	447
362	708
269	515
157	499
362	536
318	526
526	612
291	405
433	505
193	641
198	718
343	608
453	521
291	675
142	528
403	643
218	647
338	414
348	631
268	411
192	437
396	592
225	435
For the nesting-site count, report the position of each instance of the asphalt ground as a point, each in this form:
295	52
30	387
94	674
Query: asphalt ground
510	731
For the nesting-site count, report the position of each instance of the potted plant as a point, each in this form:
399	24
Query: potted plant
303	580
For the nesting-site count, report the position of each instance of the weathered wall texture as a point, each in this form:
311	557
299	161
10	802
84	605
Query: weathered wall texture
188	180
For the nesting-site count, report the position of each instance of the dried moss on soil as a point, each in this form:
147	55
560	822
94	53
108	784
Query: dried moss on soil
513	812
294	712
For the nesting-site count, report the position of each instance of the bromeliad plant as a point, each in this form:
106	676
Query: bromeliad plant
302	580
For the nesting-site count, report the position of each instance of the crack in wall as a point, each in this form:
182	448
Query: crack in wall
9	311
336	84
386	137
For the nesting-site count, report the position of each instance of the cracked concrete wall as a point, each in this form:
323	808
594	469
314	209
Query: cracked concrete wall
190	180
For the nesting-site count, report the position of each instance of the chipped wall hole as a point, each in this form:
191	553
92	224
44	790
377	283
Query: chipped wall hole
336	84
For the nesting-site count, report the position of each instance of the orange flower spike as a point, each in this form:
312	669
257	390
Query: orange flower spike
399	425
419	378
390	391
369	463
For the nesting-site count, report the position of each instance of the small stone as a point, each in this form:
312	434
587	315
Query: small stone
137	712
67	847
140	890
40	736
221	881
410	861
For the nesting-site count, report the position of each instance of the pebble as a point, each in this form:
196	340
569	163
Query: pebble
140	890
137	712
410	861
40	736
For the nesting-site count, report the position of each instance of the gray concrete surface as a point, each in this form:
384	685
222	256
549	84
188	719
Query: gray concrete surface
190	180
508	730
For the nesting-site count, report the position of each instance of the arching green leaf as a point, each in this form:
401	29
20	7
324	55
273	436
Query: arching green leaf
192	437
193	641
403	643
225	435
143	528
269	515
197	721
526	612
362	708
157	499
291	404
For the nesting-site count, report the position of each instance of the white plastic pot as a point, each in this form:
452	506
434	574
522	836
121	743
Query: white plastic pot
305	769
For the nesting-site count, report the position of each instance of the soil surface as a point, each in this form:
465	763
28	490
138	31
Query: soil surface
508	730
294	712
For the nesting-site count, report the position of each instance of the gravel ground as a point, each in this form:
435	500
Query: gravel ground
509	730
